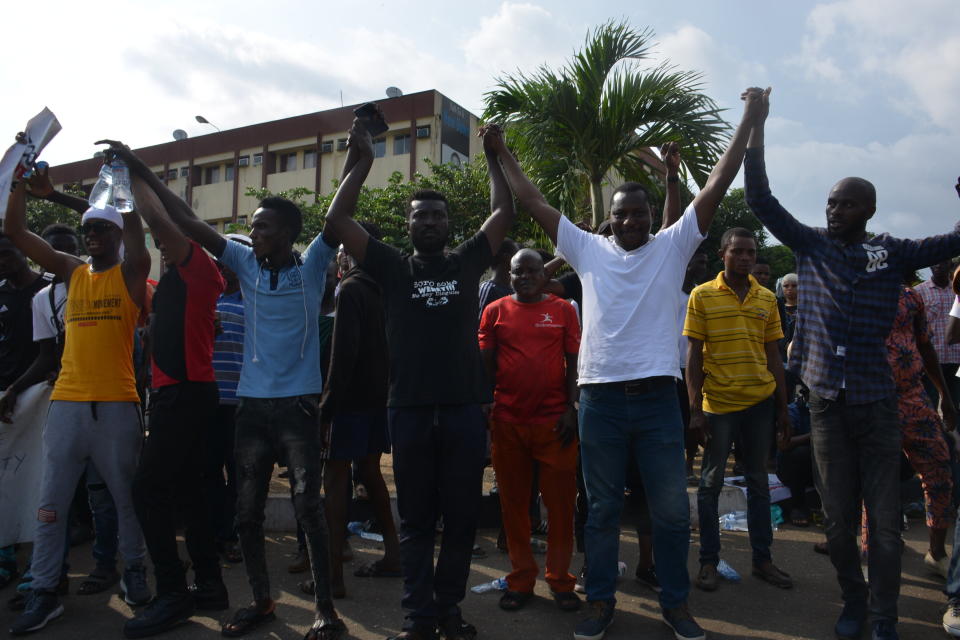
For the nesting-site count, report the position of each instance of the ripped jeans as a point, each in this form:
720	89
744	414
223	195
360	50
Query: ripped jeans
284	430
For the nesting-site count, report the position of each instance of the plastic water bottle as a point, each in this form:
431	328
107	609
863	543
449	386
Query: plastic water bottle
102	192
500	584
122	191
727	572
734	521
359	529
113	187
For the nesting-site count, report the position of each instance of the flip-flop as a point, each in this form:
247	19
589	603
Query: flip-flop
246	620
376	570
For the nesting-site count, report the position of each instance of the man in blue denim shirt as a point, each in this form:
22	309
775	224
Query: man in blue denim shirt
849	287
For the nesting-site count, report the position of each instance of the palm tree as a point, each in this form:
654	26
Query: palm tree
601	114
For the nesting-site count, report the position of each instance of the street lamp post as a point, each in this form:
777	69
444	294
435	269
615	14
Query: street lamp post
203	120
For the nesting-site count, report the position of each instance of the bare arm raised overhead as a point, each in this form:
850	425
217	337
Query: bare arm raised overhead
339	222
502	211
33	246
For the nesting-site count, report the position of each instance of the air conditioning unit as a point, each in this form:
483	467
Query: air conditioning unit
257	159
243	161
326	147
423	132
342	144
184	172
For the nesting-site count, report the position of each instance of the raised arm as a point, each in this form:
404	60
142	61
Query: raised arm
175	244
33	246
178	210
136	260
339	226
670	153
774	217
524	190
929	251
728	166
502	211
39	186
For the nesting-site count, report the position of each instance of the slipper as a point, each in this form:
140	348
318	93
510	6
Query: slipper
774	575
98	582
326	630
515	600
246	620
376	570
566	600
821	547
799	517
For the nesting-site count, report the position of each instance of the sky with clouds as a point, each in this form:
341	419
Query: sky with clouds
860	87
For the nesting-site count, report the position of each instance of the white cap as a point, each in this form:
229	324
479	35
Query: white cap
108	213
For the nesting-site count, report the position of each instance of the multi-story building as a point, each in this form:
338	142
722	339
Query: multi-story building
212	172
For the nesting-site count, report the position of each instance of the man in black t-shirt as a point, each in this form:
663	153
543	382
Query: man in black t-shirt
437	387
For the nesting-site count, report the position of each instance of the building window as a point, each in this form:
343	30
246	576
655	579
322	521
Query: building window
288	162
379	147
242	220
211	175
342	144
401	145
228	173
257	159
184	172
172	174
309	158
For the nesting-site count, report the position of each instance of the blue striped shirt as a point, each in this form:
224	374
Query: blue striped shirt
848	295
228	346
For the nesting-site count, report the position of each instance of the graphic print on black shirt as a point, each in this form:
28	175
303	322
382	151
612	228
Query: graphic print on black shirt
432	319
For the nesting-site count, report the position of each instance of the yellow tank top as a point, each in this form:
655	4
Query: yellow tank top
100	318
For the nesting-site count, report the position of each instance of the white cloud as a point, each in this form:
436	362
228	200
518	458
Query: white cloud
855	44
915	195
726	72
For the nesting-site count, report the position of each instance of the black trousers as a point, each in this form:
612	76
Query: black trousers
168	482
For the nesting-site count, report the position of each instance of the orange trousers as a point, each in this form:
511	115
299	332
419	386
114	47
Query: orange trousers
514	447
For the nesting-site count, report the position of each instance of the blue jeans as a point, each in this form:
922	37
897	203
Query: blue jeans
619	420
755	428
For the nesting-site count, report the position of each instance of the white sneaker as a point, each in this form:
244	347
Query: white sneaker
951	618
939	567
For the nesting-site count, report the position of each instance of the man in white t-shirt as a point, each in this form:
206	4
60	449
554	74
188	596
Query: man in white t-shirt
628	402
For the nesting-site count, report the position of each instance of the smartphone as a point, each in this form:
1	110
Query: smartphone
372	118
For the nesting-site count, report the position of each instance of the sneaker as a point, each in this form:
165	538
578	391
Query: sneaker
41	608
210	595
939	567
19	601
683	625
885	630
581	585
595	624
951	618
134	586
648	577
164	612
849	625
707	579
455	628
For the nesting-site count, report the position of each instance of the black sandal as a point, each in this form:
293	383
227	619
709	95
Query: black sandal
567	600
515	600
98	582
326	630
246	620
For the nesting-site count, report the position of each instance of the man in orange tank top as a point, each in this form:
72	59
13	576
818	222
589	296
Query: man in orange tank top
94	413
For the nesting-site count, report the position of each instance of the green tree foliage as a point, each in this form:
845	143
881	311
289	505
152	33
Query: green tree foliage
41	213
467	189
600	114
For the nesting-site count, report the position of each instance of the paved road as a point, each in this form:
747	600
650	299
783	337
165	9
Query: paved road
750	609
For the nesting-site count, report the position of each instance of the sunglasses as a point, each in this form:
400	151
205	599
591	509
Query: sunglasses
97	227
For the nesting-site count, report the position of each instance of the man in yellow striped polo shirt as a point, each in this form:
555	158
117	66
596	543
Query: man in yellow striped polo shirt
735	383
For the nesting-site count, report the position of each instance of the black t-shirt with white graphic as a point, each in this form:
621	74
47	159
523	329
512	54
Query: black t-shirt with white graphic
17	348
432	319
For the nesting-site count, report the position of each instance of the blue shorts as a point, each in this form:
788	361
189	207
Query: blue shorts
357	434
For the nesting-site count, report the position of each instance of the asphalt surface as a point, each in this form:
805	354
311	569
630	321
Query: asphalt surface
749	609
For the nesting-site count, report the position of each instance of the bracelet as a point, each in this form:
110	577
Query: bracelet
673	179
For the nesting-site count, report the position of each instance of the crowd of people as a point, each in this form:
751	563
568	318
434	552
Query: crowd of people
611	376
